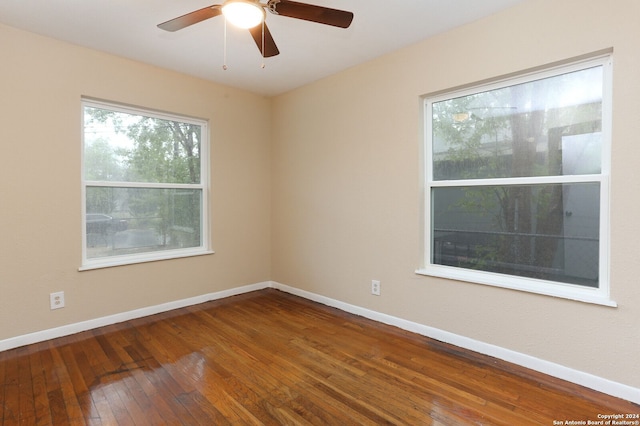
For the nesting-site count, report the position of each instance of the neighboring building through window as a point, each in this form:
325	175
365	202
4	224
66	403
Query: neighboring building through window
145	179
516	182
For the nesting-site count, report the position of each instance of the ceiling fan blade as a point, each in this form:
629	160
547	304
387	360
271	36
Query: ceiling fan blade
191	18
270	48
310	12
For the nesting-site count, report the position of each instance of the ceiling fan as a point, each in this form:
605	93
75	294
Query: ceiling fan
250	14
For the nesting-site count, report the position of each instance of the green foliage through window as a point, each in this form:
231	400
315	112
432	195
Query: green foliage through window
143	177
516	178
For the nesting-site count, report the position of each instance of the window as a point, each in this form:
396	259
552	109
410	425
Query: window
145	177
517	179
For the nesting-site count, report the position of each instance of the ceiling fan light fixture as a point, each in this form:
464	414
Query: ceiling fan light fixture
243	13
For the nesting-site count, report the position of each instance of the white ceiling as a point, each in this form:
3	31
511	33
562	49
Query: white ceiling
308	51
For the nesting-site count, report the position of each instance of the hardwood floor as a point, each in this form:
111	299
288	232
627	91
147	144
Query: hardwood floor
271	358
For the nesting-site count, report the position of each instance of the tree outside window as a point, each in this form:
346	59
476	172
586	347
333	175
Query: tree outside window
144	186
516	176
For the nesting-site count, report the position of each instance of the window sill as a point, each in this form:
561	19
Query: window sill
561	290
109	262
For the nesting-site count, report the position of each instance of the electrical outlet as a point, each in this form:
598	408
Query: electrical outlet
375	287
56	300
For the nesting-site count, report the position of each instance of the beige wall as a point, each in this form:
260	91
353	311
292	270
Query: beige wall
41	83
346	186
321	193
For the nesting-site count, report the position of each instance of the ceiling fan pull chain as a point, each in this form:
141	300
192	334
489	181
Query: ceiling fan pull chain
224	47
262	65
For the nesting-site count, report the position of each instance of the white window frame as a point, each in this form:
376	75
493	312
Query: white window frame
203	186
600	295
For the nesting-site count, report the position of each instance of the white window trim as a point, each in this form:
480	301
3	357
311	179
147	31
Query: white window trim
111	261
600	295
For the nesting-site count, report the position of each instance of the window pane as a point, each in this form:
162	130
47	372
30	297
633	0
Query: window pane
522	130
135	148
548	232
124	221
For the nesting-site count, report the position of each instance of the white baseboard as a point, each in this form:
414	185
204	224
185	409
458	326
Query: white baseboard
66	330
591	381
600	384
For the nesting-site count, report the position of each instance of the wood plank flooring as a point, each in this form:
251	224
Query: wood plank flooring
271	358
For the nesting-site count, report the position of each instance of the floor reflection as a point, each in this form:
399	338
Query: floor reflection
136	390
